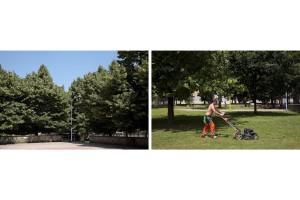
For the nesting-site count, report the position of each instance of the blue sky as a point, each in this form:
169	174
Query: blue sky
64	66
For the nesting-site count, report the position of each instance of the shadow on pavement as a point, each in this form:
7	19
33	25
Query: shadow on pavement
106	146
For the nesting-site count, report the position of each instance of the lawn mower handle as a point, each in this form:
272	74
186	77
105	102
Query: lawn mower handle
230	124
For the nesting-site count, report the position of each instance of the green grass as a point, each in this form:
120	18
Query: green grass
277	130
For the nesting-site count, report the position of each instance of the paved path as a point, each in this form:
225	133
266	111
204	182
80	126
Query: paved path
63	146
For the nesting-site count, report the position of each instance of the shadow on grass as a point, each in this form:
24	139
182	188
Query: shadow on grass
262	113
184	123
189	123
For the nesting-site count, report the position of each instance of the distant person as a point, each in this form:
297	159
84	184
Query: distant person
208	120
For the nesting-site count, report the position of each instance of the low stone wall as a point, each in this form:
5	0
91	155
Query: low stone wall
294	107
30	139
129	141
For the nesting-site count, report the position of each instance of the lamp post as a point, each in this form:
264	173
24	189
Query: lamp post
286	96
286	101
72	115
71	119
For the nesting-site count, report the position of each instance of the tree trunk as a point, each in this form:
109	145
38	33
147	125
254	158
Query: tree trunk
220	102
171	110
280	103
272	102
254	100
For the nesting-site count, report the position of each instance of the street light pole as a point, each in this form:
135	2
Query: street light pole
72	114
71	119
286	101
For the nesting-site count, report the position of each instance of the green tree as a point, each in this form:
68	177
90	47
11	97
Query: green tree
136	65
248	67
119	100
178	74
139	97
295	80
47	103
130	59
32	104
12	110
266	74
108	102
77	95
93	102
217	81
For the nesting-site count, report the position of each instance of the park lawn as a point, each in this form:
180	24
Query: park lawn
277	130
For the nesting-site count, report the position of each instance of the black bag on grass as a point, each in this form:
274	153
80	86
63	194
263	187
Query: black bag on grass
249	134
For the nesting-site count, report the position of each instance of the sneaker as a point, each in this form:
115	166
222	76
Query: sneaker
213	137
203	136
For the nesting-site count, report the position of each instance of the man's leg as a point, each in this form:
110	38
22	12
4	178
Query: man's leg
205	129
212	130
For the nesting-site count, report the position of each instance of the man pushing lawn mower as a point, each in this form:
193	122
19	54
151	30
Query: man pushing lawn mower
247	134
208	121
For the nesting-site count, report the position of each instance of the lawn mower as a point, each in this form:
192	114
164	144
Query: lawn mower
247	134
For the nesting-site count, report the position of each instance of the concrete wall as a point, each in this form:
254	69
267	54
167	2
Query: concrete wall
30	139
130	141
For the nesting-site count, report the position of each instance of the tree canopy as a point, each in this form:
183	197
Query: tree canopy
104	101
259	75
176	74
107	102
266	74
32	104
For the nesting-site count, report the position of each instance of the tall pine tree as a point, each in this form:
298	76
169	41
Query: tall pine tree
48	103
12	110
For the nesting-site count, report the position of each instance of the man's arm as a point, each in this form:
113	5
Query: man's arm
216	110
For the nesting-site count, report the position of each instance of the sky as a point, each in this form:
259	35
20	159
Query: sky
64	66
